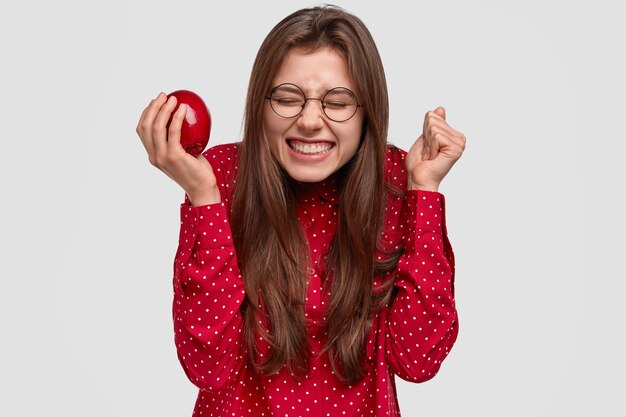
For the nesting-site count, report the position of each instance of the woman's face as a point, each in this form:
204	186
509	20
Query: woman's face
310	146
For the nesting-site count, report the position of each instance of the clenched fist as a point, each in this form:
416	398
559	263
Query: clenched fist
432	155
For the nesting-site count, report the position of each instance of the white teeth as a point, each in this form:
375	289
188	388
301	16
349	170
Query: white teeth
310	149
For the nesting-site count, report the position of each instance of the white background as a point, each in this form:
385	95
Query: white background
535	206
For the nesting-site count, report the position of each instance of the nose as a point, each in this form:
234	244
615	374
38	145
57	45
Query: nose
312	116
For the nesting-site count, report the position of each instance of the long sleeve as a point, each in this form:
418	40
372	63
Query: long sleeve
208	292
422	322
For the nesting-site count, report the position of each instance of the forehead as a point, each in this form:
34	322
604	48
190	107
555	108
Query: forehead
314	71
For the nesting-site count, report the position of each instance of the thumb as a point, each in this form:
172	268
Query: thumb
440	111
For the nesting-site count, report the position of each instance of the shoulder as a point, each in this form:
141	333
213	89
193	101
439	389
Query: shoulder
395	168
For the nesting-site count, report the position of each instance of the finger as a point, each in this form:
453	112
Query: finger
448	147
434	124
159	128
437	144
436	121
438	140
174	131
139	128
437	125
146	121
431	130
143	133
432	119
149	113
455	134
459	140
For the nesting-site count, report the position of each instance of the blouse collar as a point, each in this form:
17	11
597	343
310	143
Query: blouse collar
327	190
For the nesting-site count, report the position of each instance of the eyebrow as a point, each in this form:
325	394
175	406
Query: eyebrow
291	88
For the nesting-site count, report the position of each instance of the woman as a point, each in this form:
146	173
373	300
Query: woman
313	262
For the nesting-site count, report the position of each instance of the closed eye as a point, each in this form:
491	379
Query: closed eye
337	104
287	101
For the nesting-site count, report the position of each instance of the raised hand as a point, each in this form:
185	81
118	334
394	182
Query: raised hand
434	153
193	174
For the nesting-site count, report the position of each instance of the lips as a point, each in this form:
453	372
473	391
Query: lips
310	148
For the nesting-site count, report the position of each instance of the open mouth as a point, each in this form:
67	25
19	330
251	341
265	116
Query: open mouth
310	148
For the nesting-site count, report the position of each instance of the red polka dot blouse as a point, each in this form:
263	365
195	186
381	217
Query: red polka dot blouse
409	338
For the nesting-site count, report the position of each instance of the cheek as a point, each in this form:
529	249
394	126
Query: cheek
351	139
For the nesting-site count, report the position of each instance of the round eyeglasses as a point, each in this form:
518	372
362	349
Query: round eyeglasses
339	104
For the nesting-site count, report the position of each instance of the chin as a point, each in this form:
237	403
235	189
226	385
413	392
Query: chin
308	174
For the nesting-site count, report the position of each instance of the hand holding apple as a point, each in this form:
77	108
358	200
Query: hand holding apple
196	128
160	129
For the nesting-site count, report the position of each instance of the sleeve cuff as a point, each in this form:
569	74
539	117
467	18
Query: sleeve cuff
426	208
424	213
204	227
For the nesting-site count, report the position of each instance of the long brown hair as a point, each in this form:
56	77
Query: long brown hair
270	245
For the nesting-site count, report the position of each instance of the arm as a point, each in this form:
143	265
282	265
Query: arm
422	320
208	292
422	323
208	289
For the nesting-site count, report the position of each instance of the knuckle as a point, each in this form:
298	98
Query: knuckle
159	161
432	116
463	141
431	120
168	159
144	126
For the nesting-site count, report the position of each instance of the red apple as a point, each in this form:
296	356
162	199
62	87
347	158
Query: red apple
196	128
